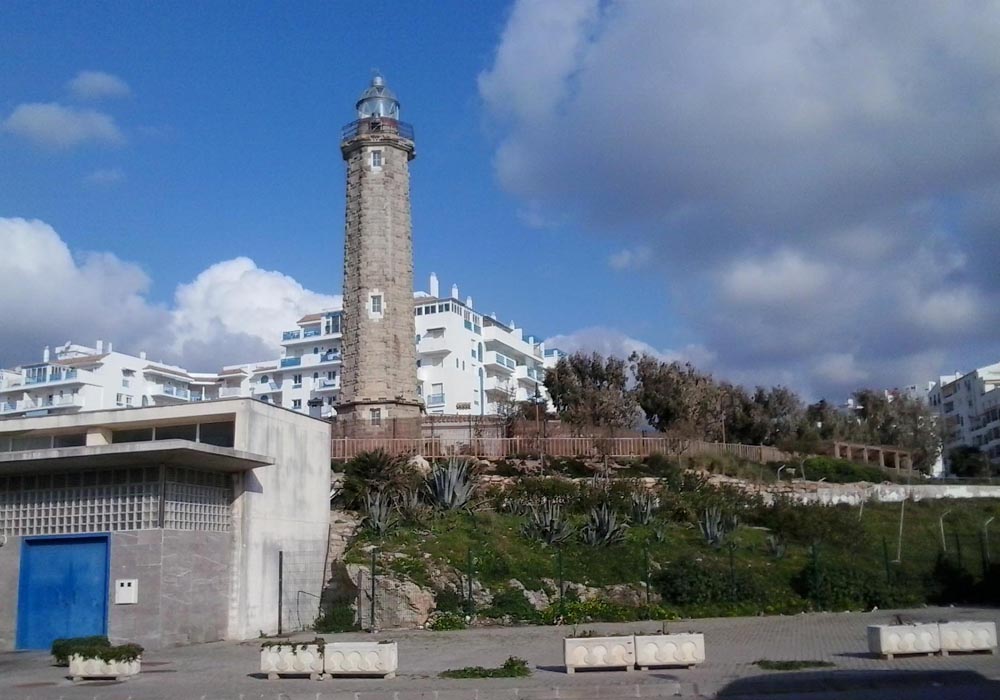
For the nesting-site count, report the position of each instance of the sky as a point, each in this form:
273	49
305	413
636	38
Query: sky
805	194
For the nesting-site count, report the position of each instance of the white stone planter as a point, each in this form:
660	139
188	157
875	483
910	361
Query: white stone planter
361	658
669	650
889	640
599	652
80	668
968	636
292	660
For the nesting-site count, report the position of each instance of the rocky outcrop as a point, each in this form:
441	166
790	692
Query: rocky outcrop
343	528
399	603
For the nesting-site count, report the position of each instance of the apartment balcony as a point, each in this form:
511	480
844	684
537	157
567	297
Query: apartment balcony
529	376
291	361
327	385
498	361
291	335
433	345
170	392
306	335
230	391
499	386
435	399
40	404
55	375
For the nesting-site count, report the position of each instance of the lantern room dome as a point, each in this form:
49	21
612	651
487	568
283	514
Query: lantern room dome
378	101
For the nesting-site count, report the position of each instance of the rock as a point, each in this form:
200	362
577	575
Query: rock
539	599
422	466
399	604
628	595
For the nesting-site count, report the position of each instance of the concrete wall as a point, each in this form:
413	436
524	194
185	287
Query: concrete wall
183	587
10	570
283	507
854	494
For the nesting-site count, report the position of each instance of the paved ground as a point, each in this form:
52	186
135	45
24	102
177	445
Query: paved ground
228	671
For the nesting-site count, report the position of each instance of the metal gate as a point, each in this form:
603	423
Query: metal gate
63	589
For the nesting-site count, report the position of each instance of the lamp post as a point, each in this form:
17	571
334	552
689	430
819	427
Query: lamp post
986	536
944	546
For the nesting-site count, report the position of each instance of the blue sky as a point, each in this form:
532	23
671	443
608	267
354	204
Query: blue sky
742	195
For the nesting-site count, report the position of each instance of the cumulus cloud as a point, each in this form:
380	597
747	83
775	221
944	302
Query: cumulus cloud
629	258
105	176
232	312
56	126
818	181
611	341
96	85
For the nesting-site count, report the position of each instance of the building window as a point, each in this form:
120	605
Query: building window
297	404
315	375
376	159
376	303
418	363
265	379
375	414
331	375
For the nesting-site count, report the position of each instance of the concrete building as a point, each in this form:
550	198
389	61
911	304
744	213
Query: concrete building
968	406
162	525
378	379
73	378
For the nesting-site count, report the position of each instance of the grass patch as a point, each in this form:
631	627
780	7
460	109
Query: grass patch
513	667
796	665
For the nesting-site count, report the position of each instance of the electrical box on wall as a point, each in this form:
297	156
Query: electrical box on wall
126	591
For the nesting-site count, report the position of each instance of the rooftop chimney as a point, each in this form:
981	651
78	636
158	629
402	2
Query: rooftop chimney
468	302
434	286
100	346
142	355
45	354
109	346
454	291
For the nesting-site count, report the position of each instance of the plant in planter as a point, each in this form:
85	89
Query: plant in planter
284	658
101	660
586	650
63	648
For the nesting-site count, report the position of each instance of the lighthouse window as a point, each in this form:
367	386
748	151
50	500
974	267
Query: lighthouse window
376	159
376	303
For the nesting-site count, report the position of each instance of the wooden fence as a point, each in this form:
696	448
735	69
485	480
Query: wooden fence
588	447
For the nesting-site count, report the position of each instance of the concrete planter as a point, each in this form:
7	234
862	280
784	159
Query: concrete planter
669	650
968	636
889	640
599	652
292	660
82	667
361	658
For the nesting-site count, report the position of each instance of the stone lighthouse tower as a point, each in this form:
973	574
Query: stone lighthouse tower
379	363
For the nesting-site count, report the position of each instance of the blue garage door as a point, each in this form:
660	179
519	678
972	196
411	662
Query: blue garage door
63	590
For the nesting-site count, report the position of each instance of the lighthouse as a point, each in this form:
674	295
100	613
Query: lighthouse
379	364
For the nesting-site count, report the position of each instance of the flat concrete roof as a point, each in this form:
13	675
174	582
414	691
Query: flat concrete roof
182	453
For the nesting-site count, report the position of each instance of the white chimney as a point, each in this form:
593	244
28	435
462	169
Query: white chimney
109	346
142	355
100	346
512	326
468	302
493	315
434	285
454	291
45	354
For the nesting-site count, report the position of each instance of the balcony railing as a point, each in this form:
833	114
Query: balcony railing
55	375
311	332
291	335
382	125
435	399
291	361
175	391
496	358
228	391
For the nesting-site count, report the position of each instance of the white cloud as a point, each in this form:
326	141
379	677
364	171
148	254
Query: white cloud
105	176
611	341
629	258
95	85
57	126
231	312
825	176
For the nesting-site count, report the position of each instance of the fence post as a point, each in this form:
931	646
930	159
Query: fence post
371	611
281	587
645	563
814	554
958	550
559	576
984	555
885	556
732	571
470	605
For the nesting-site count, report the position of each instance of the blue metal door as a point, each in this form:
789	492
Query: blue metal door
63	589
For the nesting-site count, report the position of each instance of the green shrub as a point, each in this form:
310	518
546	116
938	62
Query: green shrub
663	467
377	471
447	621
692	582
848	586
513	667
575	612
950	583
62	649
448	600
511	603
339	617
808	524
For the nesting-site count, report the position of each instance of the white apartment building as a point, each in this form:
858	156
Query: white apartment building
73	378
467	364
968	406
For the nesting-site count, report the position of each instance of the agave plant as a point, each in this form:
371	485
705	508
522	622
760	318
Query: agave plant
604	527
716	525
642	506
450	486
380	513
776	546
547	523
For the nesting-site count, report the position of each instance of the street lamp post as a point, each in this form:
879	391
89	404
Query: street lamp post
944	546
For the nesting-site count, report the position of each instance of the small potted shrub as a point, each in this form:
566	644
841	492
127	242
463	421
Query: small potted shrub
95	657
586	650
284	658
